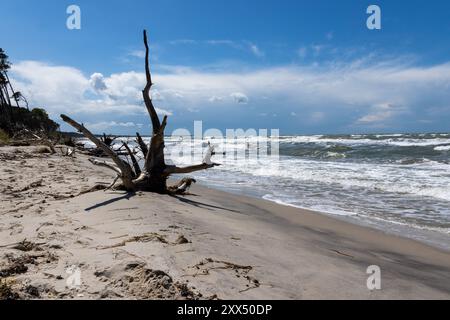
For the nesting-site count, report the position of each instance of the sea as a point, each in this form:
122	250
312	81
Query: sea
397	183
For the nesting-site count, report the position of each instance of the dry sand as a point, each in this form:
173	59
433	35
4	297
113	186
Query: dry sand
209	244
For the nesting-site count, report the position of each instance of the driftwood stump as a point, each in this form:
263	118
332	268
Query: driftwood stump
153	176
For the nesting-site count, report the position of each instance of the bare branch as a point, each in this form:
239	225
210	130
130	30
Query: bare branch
113	183
105	164
182	186
49	144
44	141
153	176
176	170
125	169
108	140
142	177
147	68
142	145
137	168
146	92
163	125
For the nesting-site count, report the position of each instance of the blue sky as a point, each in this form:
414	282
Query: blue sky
300	66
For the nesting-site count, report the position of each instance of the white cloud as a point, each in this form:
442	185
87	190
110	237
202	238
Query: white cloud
255	50
212	42
221	42
239	97
97	81
137	53
365	93
157	96
103	125
215	99
62	89
49	85
238	45
380	113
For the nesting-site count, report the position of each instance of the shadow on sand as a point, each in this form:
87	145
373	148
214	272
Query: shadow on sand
126	196
201	204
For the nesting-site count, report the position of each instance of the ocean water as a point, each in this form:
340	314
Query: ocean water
398	183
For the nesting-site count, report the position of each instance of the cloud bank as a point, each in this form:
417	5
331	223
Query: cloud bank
352	95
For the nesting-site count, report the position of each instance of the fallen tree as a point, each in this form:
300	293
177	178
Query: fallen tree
155	172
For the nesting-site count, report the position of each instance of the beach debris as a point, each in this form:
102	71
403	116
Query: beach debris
183	186
181	240
342	253
16	268
144	283
32	291
97	187
45	224
109	294
204	267
108	139
122	236
20	208
208	264
25	259
209	153
26	245
24	137
6	291
154	173
147	237
32	185
33	259
43	150
66	151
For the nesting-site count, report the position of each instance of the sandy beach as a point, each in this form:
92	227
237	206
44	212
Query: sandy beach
206	245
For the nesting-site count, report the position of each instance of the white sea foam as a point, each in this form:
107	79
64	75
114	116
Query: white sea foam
317	208
442	148
403	142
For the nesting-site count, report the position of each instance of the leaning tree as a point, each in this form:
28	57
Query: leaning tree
155	172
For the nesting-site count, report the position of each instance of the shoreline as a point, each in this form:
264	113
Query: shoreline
430	237
303	217
209	244
404	204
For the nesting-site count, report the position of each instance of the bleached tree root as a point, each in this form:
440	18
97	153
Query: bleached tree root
155	172
97	187
182	187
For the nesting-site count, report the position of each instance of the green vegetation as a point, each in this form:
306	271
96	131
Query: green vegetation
4	137
34	120
15	115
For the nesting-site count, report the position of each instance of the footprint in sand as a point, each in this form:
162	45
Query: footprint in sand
204	267
16	228
136	280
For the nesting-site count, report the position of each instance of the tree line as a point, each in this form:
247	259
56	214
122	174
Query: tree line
15	113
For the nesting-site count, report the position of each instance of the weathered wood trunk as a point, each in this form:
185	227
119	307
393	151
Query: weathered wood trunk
155	172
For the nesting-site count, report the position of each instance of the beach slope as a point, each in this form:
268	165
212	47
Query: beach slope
209	244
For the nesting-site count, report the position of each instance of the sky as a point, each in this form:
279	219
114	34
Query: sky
304	67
